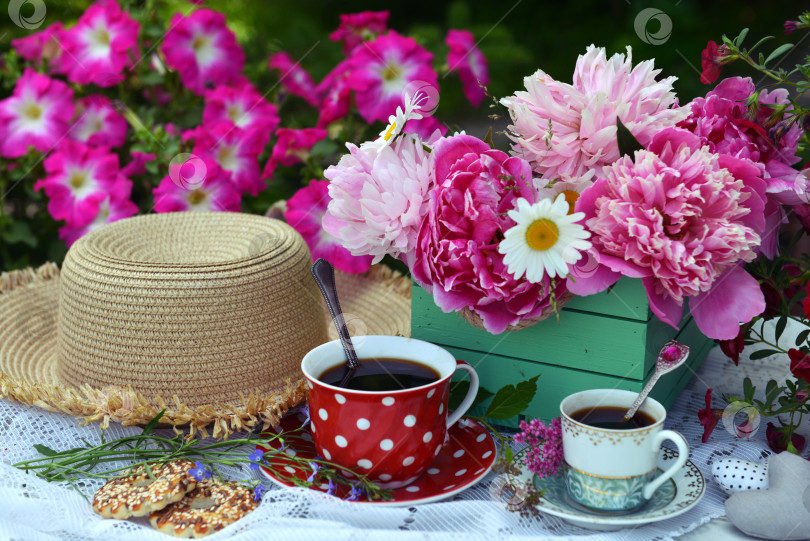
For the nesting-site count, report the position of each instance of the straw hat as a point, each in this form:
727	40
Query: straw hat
205	315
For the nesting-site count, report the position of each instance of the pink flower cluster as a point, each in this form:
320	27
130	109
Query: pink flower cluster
545	454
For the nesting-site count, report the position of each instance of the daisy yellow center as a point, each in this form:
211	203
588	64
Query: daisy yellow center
32	111
391	72
77	180
196	197
542	234
390	131
571	198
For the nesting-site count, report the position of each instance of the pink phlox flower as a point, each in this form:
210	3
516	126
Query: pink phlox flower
203	50
564	129
212	191
545	453
467	60
98	123
335	95
78	178
241	106
102	44
295	79
137	166
37	114
355	28
292	146
114	206
43	46
305	213
381	69
236	151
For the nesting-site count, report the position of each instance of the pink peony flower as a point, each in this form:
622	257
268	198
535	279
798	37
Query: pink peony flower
355	28
241	106
37	114
292	147
203	50
425	128
237	153
102	44
97	123
456	257
305	213
212	192
563	130
380	71
380	198
336	95
466	59
79	177
683	219
294	78
114	206
43	46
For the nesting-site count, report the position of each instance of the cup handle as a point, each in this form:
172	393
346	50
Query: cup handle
471	392
683	456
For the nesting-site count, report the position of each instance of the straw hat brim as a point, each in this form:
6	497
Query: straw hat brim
376	302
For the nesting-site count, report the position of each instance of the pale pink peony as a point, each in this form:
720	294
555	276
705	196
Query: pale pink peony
683	219
236	151
292	146
456	257
212	191
467	60
43	46
98	123
240	105
79	178
381	69
355	28
335	94
380	198
564	129
114	206
37	114
101	46
305	213
203	50
295	79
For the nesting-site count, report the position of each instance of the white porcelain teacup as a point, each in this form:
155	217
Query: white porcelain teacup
613	470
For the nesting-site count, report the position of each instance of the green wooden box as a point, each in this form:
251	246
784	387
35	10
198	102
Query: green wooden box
609	340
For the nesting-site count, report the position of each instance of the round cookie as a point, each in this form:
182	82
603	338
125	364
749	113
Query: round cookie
138	494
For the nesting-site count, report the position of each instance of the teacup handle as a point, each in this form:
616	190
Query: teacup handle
471	392
683	456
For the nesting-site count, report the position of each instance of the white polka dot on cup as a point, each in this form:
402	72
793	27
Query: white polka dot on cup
448	487
408	461
412	489
385	477
309	384
289	451
461	472
438	448
458	453
441	409
485	455
410	420
364	463
388	401
481	437
312	426
427	437
363	424
322	414
289	469
341	441
327	455
431	393
340	398
433	471
386	445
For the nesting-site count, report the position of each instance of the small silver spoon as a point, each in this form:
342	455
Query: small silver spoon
671	356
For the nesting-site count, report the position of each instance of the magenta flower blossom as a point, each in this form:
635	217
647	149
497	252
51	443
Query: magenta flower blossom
355	28
545	454
98	123
682	219
114	206
292	147
236	152
203	50
102	44
336	95
137	166
380	198
380	71
305	213
467	60
37	114
456	257
426	128
564	130
240	105
213	192
43	46
79	178
294	78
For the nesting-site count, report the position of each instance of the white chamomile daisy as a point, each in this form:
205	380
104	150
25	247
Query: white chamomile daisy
570	187
396	122
545	239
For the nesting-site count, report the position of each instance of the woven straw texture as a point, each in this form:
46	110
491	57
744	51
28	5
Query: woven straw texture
205	315
475	320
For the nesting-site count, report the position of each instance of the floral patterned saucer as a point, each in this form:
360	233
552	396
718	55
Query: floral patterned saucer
676	496
466	457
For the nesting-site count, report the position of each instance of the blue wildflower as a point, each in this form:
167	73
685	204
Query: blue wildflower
315	467
201	471
356	493
332	487
258	492
256	456
305	411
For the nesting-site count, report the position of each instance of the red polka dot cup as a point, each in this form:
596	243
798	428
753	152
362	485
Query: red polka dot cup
389	436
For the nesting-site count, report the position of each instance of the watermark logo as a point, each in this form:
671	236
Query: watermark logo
28	14
587	265
357	327
188	171
423	94
741	419
645	25
505	490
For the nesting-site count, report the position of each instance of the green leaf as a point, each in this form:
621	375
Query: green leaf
458	390
762	353
738	41
802	337
772	390
511	400
782	49
628	144
780	327
150	426
44	450
760	42
508	454
748	390
488	138
19	232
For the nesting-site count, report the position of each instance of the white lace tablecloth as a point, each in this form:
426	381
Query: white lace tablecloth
32	509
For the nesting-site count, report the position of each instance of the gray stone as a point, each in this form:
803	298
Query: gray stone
782	511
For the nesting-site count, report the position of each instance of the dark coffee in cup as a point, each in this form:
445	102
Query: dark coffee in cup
612	418
382	374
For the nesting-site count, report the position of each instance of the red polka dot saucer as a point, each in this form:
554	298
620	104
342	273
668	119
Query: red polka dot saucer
465	458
